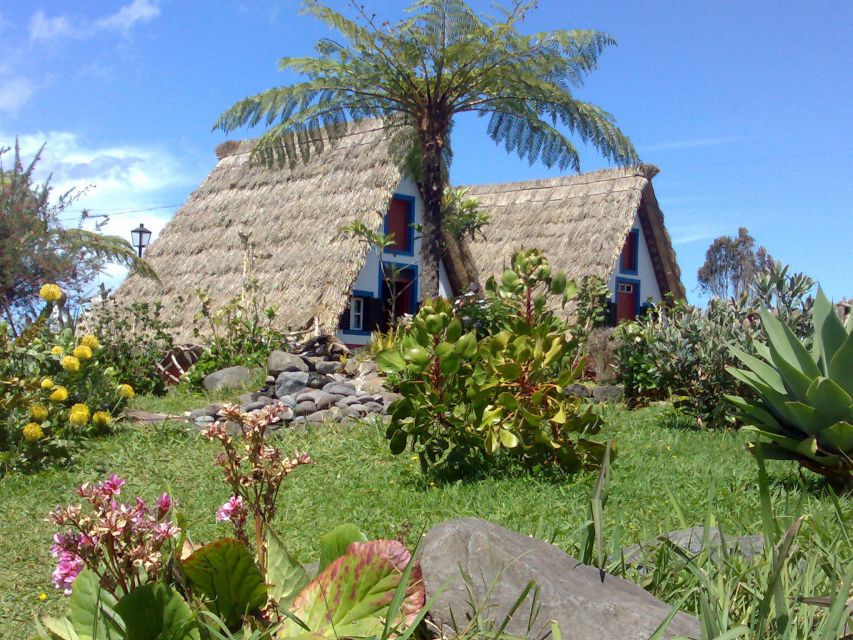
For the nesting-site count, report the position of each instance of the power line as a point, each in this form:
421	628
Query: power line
120	211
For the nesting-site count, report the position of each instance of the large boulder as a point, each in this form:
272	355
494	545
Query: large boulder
690	540
585	603
228	378
282	361
290	382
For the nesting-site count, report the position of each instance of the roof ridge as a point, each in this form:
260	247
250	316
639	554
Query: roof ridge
647	171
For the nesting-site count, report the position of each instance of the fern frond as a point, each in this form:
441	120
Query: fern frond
107	249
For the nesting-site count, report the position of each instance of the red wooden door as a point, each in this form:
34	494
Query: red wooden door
626	301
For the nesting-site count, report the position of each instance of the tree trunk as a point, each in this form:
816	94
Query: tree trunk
432	137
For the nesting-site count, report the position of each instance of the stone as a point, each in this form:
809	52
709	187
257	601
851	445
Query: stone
246	398
290	382
342	388
320	416
228	378
373	384
280	361
351	367
328	367
373	407
203	422
608	393
269	380
290	401
389	396
349	399
320	398
304	408
148	417
211	410
318	380
253	406
690	540
356	409
366	368
577	390
585	602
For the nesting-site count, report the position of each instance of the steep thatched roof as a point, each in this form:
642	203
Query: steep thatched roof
293	214
580	221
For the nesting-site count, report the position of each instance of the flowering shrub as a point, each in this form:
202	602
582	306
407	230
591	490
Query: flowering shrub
120	562
54	388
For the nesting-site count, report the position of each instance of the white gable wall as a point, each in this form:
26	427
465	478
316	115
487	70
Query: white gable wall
369	282
645	275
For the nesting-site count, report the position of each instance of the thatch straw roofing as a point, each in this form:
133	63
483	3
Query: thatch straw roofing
293	214
580	222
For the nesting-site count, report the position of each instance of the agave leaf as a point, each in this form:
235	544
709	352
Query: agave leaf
350	597
796	382
772	451
768	374
755	414
788	346
155	610
776	402
838	437
806	418
762	350
830	401
225	572
841	365
829	333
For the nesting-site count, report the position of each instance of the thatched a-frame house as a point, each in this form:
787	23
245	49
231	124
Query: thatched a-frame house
605	223
319	277
306	266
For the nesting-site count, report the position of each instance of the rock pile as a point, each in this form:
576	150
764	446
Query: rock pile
315	384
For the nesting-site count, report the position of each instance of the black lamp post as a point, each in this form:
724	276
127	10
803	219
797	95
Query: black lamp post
140	238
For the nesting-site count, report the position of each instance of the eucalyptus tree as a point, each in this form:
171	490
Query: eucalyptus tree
417	75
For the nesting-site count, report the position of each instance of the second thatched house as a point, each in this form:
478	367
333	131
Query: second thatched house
605	223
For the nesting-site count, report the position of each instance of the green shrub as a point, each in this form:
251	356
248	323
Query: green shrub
805	398
135	340
54	390
467	398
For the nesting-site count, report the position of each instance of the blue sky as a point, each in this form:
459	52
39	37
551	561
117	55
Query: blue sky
746	107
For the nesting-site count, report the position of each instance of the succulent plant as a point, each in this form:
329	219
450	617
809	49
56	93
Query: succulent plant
805	406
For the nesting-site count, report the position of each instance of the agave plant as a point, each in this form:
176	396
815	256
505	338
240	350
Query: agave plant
805	405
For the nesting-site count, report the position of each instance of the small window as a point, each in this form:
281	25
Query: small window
399	221
624	287
628	262
356	314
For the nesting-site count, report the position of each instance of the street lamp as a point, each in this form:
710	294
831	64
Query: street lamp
140	238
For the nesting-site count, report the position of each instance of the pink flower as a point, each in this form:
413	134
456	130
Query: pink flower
165	531
164	503
69	567
233	510
112	487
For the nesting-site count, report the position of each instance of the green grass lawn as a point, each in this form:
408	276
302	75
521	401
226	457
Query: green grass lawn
356	479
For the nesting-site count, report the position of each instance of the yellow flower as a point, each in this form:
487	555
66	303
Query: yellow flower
90	341
51	293
46	384
82	352
101	419
79	415
57	350
42	596
38	412
60	394
32	432
126	391
70	363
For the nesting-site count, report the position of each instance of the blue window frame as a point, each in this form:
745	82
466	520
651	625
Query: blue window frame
364	295
410	226
632	243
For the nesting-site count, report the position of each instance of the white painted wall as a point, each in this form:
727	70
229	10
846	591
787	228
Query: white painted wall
645	271
368	279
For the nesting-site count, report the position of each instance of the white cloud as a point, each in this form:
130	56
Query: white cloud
14	93
129	15
44	28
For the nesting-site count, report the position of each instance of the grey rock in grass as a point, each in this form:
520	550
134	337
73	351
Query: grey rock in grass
351	367
280	361
320	416
608	393
341	388
322	399
389	396
585	602
366	368
372	384
373	407
318	380
328	367
253	406
304	408
690	540
356	409
203	422
228	378
577	390
211	410
290	382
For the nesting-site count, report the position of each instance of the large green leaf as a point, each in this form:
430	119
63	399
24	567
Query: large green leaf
830	401
156	611
53	628
285	576
225	572
767	373
838	437
390	361
350	597
335	543
753	414
829	333
841	365
806	419
787	346
92	611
